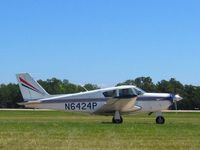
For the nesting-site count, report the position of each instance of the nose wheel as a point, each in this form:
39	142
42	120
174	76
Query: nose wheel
160	120
117	118
117	121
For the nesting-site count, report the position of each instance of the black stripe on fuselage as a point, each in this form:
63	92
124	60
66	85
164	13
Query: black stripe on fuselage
75	100
154	98
140	98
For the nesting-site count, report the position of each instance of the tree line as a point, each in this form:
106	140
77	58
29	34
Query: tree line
10	94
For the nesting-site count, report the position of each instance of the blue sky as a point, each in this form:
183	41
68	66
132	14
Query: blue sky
102	42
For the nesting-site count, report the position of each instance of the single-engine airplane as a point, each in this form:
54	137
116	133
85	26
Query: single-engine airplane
114	101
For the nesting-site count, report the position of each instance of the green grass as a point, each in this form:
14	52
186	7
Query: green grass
60	130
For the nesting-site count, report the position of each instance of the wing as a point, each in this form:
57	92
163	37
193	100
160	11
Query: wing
124	105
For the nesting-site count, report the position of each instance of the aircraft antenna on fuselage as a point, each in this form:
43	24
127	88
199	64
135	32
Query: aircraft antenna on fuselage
84	88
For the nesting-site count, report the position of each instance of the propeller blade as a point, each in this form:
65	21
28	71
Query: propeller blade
176	107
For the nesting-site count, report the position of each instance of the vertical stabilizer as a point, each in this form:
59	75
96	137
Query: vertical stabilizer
30	89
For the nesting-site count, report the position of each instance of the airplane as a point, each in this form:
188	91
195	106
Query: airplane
114	101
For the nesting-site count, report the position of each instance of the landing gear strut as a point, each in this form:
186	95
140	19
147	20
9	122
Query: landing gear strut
159	118
117	118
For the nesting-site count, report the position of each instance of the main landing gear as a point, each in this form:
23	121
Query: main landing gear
117	118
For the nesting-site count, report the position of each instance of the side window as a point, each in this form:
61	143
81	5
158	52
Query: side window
112	93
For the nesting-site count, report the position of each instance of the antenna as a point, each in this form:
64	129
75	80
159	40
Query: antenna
84	88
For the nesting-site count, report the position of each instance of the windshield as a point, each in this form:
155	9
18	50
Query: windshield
139	91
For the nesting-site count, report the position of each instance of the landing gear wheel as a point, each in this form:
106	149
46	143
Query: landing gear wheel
117	121
160	120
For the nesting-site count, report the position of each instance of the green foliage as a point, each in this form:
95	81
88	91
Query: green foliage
171	86
10	94
144	83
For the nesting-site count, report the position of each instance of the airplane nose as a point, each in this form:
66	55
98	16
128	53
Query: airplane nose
177	97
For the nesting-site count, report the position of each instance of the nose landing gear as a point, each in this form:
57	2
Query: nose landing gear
117	118
159	118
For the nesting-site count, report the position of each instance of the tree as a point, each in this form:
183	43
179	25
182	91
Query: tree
144	83
171	86
191	95
9	96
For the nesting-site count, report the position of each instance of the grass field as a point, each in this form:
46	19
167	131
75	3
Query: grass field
60	130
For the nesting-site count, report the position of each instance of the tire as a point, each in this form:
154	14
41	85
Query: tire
117	121
160	120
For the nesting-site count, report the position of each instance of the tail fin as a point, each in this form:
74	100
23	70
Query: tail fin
30	89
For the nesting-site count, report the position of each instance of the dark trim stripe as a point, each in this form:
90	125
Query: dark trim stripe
140	98
28	87
154	98
75	100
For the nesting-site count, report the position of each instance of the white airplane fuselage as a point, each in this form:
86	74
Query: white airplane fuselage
109	101
93	101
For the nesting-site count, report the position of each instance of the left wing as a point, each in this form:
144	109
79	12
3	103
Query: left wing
124	105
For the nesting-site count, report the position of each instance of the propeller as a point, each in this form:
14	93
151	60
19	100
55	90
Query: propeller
176	98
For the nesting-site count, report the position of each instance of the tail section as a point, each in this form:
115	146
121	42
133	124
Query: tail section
30	89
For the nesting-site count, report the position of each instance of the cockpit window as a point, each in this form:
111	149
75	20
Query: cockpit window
127	93
124	93
112	93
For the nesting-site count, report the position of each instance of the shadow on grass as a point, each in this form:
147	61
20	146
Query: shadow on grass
133	123
106	122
